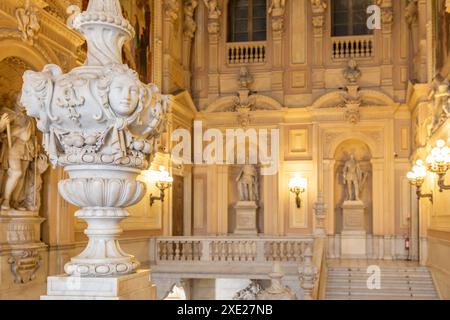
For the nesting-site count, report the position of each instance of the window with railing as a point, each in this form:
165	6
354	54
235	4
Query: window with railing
351	38
247	20
349	17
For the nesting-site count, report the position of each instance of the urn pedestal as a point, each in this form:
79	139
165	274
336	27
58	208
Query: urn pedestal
246	218
102	270
135	286
353	237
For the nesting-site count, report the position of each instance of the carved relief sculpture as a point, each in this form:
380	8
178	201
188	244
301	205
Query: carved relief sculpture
24	264
190	26
28	22
318	6
172	9
352	73
102	124
214	14
276	9
248	293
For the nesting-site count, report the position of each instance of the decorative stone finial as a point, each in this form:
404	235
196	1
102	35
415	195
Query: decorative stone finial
102	124
105	29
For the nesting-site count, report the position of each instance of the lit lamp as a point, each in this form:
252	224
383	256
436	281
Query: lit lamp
416	178
438	162
297	186
163	181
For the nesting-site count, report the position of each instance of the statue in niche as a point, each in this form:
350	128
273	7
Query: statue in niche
19	178
354	178
248	185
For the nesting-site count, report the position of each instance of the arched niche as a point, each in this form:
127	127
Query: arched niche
35	58
363	155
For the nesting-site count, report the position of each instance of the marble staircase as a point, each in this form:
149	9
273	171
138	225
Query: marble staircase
397	283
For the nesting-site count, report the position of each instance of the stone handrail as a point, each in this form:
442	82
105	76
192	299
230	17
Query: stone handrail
254	52
228	249
352	47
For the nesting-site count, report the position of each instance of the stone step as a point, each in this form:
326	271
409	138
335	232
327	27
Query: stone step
384	286
401	283
384	292
390	297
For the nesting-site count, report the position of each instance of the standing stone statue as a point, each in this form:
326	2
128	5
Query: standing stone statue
248	185
17	152
353	178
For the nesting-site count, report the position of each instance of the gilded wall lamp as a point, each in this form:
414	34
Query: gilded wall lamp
163	181
297	186
438	162
416	178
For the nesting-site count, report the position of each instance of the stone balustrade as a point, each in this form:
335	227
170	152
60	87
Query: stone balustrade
229	249
254	52
352	47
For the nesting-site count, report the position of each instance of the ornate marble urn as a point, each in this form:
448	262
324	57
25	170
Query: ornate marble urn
102	125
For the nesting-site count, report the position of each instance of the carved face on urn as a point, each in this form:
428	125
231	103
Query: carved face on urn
124	95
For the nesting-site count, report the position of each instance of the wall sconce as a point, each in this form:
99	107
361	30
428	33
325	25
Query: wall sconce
297	186
416	178
438	162
163	181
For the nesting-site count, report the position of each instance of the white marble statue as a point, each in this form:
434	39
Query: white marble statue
354	178
18	152
248	184
102	124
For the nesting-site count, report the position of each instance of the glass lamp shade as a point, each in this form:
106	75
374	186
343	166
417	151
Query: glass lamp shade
298	183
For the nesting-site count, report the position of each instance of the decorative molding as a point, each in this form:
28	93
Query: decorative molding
24	264
28	22
190	26
276	10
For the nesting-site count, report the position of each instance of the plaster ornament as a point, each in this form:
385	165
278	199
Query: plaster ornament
276	9
28	22
318	6
354	178
172	9
24	264
190	26
247	182
318	22
102	124
214	11
411	12
248	293
352	73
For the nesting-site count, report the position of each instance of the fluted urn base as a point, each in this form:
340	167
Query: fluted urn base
102	192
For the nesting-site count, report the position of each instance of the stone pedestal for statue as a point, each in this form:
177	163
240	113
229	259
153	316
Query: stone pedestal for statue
102	124
246	218
20	235
353	237
136	286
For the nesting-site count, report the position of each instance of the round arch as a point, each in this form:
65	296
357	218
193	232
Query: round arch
19	49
